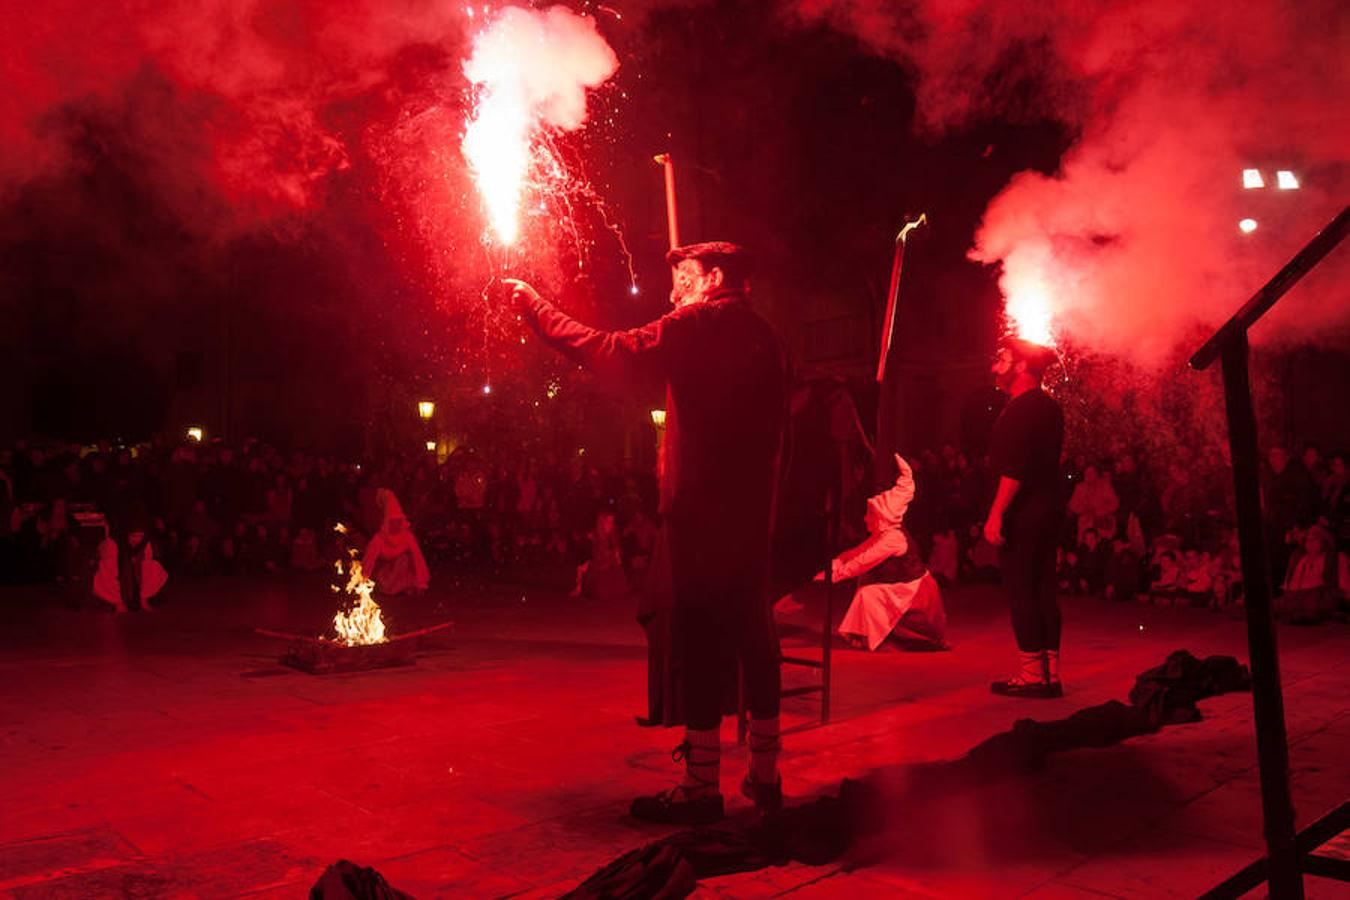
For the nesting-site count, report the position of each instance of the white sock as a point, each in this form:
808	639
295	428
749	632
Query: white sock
1031	667
703	761
764	749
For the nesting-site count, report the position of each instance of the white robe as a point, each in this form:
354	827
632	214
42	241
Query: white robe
877	609
108	585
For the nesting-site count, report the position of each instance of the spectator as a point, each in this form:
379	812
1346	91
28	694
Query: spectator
1166	579
128	575
1227	573
1314	465
393	559
1094	502
1195	580
944	560
601	576
1124	581
1288	493
1335	506
1318	582
1093	557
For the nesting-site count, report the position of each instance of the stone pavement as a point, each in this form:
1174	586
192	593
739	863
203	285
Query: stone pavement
168	754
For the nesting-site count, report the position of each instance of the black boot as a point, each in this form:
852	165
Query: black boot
1036	690
768	798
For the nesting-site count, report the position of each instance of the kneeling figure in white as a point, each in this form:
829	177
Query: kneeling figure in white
896	594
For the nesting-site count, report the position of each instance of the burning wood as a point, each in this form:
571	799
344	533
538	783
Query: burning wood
363	623
322	656
361	641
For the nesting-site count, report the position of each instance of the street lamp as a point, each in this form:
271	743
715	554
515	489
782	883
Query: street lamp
195	434
426	409
659	418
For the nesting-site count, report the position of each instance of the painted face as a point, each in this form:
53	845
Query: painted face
690	284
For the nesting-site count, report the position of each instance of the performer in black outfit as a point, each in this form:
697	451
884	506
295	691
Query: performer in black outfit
1026	514
726	408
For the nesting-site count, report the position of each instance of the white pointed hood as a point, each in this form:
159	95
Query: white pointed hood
890	505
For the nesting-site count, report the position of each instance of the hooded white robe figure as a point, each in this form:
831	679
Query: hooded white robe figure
128	579
896	594
393	560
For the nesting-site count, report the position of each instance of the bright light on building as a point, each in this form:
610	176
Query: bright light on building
1251	179
1285	180
195	434
426	409
1247	226
659	418
431	446
487	388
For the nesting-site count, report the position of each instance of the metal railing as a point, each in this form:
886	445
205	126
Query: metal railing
1288	855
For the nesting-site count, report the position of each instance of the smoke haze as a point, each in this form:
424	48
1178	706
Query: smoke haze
1134	240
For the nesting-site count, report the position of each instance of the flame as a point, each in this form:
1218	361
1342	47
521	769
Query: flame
497	146
1028	312
530	71
363	623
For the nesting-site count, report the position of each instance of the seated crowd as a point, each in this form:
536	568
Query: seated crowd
1167	537
1131	534
216	509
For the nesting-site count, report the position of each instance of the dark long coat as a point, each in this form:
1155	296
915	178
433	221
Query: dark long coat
726	407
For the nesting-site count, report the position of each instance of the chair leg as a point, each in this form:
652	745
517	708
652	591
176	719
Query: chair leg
826	655
742	725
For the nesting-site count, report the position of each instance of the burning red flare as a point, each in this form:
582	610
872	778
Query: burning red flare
530	72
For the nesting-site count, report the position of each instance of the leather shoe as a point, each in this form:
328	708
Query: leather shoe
678	806
766	797
1035	690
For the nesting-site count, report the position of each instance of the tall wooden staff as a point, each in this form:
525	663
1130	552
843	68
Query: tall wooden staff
893	294
665	161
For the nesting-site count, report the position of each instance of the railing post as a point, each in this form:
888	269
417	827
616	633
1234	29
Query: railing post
1272	742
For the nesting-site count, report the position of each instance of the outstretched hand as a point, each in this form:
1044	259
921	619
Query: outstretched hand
521	292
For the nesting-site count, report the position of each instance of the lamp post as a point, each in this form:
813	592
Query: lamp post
425	410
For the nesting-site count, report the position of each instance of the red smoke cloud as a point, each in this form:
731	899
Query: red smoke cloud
257	86
1135	241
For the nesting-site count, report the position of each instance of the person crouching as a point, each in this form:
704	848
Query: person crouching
896	595
393	559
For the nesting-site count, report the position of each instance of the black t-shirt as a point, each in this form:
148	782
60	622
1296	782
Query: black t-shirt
1026	444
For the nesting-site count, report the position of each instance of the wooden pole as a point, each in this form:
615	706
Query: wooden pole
672	213
893	294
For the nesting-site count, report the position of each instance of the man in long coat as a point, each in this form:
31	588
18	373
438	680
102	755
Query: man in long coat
726	399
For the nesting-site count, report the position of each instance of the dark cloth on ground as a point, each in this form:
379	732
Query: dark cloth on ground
825	829
345	880
1164	695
